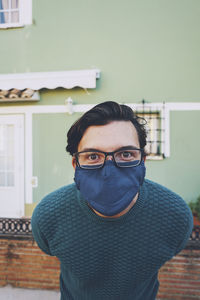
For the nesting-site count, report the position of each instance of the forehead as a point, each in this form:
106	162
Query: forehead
110	137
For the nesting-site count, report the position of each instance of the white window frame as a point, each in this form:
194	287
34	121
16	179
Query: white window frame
154	137
25	15
163	112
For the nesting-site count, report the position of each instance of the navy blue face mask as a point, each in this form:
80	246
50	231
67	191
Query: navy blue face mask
110	189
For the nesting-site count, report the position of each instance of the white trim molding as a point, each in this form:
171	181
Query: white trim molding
175	106
50	80
28	157
26	12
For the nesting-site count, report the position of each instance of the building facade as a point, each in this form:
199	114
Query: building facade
63	58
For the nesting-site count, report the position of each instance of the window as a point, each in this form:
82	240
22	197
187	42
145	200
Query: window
157	127
15	13
155	136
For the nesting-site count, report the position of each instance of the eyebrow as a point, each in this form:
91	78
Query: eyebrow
129	147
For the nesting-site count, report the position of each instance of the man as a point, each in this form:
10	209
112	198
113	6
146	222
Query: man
112	230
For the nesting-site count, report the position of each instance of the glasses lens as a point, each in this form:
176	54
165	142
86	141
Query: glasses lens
128	158
91	160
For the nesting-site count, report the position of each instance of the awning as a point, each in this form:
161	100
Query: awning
50	80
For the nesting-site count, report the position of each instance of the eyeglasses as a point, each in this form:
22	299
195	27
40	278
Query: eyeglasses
95	159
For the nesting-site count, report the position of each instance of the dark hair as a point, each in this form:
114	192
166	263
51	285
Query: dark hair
103	114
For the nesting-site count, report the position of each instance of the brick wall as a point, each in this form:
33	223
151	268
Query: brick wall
23	264
180	277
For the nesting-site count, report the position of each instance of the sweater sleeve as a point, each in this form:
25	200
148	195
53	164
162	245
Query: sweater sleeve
185	234
38	234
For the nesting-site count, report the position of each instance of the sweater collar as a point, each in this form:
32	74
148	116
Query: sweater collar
142	197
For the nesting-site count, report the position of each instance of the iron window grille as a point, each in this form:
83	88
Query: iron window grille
157	130
155	141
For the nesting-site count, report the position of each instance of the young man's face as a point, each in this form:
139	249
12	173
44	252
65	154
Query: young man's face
109	138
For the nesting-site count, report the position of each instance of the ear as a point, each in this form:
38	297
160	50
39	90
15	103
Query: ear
74	164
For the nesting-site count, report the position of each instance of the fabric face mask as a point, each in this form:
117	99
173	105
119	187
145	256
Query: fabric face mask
110	189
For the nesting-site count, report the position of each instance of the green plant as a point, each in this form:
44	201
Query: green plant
195	207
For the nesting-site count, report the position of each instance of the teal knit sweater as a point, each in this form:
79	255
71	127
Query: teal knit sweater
112	258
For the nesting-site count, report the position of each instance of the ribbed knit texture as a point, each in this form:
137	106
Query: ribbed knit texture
112	258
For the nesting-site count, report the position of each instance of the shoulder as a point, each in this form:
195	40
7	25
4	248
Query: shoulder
54	205
173	209
158	189
164	195
168	199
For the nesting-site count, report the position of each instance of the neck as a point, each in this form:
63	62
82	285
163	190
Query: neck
123	212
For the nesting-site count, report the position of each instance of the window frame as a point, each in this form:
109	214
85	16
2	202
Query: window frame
163	111
25	15
154	134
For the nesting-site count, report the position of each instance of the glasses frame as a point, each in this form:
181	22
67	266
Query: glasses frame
108	154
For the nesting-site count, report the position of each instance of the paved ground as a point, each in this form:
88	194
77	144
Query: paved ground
10	293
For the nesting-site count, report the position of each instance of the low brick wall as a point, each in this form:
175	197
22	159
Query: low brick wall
23	264
180	277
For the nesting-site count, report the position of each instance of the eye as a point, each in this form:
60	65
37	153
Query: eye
93	156
126	155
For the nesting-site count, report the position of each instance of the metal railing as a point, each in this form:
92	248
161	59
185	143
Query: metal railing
20	228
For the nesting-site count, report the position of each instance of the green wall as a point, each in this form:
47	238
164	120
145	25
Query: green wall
51	163
144	49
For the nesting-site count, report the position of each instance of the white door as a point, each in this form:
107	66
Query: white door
11	166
